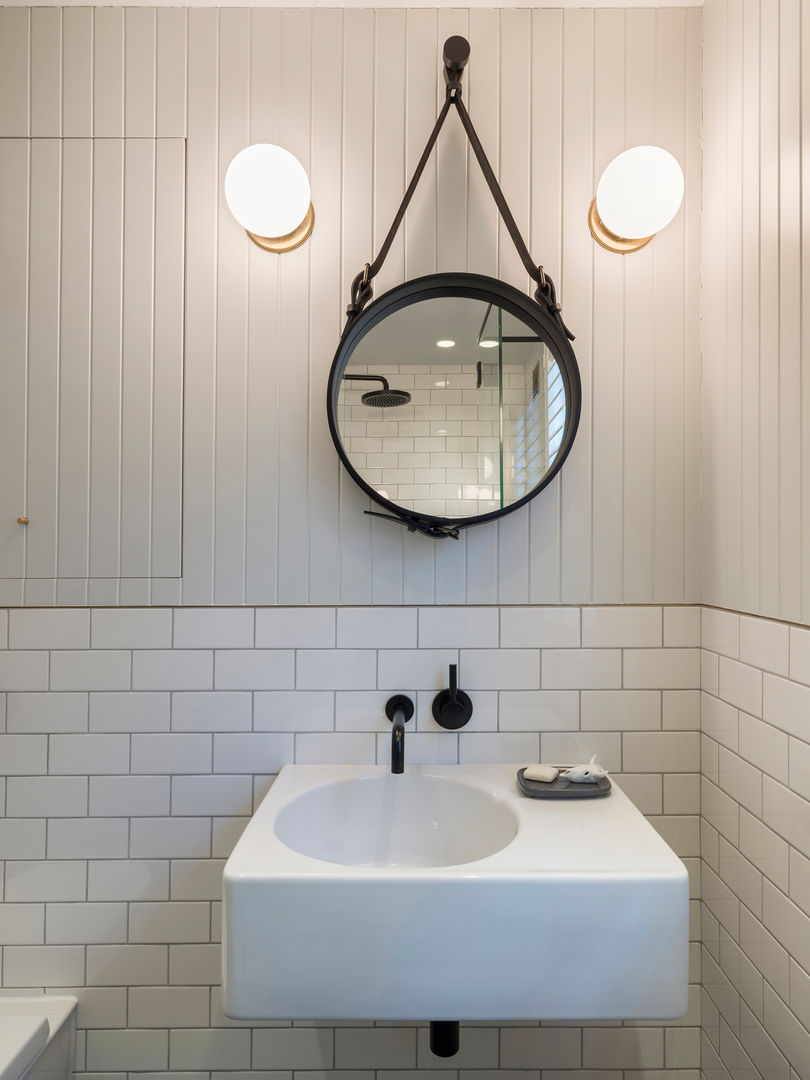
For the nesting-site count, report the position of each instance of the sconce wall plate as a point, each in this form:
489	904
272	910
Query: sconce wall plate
293	240
619	245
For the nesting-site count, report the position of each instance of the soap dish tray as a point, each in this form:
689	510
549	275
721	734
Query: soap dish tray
562	789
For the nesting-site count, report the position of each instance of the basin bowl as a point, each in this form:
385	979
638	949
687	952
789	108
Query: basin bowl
445	894
411	820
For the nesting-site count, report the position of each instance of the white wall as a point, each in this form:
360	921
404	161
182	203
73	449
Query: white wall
268	514
756	397
137	743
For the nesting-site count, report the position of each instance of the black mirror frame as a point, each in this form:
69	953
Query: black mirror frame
476	287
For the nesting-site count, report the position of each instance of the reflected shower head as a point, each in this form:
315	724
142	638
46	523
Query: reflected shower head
380	399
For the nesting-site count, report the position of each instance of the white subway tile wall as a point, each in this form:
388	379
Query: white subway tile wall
123	801
755	850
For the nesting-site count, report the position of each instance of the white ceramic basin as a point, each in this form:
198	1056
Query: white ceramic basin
412	820
444	894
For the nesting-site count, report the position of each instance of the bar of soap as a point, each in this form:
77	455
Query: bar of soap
544	773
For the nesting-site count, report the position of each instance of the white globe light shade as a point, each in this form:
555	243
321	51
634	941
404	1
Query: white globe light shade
640	192
267	190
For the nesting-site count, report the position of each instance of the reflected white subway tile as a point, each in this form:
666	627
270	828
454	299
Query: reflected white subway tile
298	1048
499	669
376	628
540	627
420	669
173	753
43	880
799	880
764	644
621	710
293	710
172	669
764	746
680	710
46	796
621	627
478	1048
127	965
556	1048
25	671
295	628
22	924
720	631
643	789
799	767
129	1050
218	1048
538	710
48	713
196	879
664	669
57	628
682	627
581	669
787	922
252	752
719	720
335	748
786	705
126	796
661	751
213	628
741	780
128	879
102	669
99	1007
87	838
168	1006
741	685
719	810
787	814
709	672
709	757
131	628
375	1048
158	923
195	965
129	711
682	793
22	838
764	951
76	754
576	747
211	710
85	924
209	795
43	965
23	755
336	669
458	627
169	837
481	748
767	851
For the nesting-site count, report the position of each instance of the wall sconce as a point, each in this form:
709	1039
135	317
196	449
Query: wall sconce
640	192
267	191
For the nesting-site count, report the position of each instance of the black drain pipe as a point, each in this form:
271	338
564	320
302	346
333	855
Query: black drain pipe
444	1037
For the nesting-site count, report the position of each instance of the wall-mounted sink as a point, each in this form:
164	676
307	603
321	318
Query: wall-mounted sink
444	894
412	820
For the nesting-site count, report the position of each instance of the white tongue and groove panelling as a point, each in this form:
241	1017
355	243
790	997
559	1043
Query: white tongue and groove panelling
268	515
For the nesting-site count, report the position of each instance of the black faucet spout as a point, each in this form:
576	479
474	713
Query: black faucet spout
399	710
398	743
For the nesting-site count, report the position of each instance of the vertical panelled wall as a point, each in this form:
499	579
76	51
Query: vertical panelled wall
756	395
268	515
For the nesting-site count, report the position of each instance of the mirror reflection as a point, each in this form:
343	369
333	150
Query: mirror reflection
452	407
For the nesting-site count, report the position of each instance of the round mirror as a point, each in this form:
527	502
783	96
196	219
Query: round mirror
453	399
